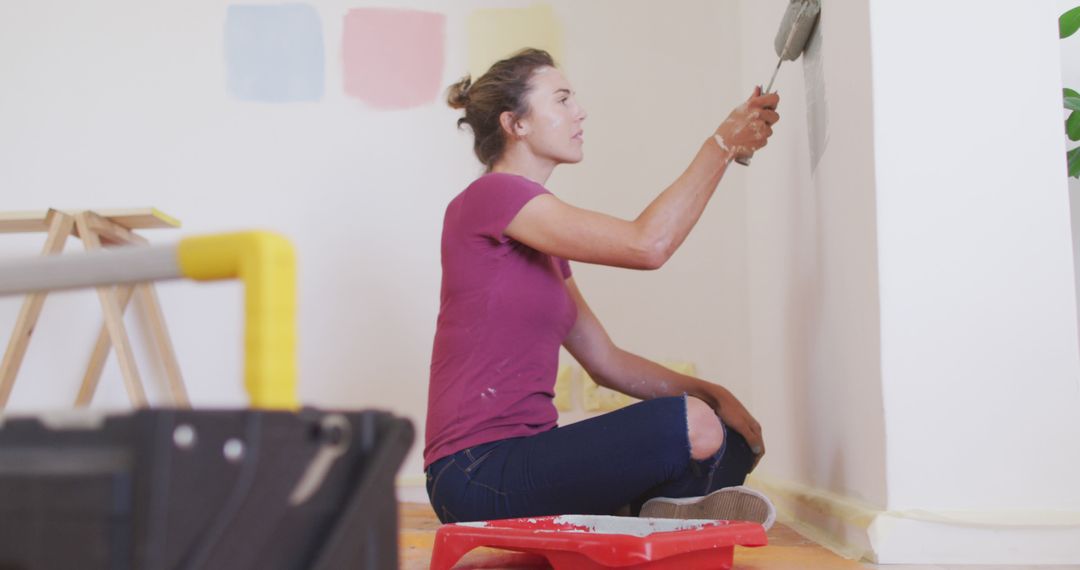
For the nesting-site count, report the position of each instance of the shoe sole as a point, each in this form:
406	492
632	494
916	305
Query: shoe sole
726	504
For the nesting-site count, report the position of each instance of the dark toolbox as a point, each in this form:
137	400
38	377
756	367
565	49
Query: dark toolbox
183	489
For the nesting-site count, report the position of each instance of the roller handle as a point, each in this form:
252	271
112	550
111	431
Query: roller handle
745	161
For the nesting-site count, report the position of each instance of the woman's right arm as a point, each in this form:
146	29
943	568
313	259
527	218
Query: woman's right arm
554	227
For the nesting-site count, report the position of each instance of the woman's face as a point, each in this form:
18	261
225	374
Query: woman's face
552	128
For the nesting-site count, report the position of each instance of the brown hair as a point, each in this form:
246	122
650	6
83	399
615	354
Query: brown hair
503	88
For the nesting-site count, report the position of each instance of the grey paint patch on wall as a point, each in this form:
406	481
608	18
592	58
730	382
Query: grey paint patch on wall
817	105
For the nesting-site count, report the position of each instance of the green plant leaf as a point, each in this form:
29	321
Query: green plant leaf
1072	103
1072	126
1074	162
1069	22
1070	93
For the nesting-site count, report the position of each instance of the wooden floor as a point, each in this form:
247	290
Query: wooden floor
787	550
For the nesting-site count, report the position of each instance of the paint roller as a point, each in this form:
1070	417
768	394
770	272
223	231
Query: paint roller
799	20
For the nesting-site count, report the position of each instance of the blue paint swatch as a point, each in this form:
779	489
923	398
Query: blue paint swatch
274	53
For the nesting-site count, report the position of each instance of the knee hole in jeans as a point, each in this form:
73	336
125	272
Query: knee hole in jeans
706	433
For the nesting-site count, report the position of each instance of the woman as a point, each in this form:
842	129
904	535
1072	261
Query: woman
508	302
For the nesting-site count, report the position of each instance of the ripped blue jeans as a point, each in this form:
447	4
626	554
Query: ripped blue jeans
595	466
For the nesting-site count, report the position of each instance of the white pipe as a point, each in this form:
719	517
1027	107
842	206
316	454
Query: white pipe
125	264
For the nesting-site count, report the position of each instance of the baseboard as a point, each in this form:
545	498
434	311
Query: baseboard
857	530
838	523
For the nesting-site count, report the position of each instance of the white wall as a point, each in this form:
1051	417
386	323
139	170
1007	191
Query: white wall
976	263
981	373
125	104
656	86
913	311
1070	75
811	251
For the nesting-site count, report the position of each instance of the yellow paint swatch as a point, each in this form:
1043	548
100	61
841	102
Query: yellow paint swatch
600	399
496	33
686	368
564	389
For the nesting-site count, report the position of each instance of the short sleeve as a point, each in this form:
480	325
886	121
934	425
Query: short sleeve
564	265
492	202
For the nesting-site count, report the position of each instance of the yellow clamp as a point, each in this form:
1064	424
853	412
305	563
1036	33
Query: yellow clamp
266	263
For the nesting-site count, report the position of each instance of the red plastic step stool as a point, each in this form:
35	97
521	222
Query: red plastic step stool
587	542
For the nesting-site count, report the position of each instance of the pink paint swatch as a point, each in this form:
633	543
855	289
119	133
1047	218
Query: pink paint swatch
393	58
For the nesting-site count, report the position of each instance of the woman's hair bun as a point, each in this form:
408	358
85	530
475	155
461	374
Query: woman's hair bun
457	96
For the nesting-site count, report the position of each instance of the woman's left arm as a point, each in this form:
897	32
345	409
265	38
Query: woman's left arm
615	368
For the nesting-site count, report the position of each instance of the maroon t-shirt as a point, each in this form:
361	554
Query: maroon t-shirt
504	313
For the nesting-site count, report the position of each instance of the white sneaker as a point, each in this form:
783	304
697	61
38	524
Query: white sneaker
730	503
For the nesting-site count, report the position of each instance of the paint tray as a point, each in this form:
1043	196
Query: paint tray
586	542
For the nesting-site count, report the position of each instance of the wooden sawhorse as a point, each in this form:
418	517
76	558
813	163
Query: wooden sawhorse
96	229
